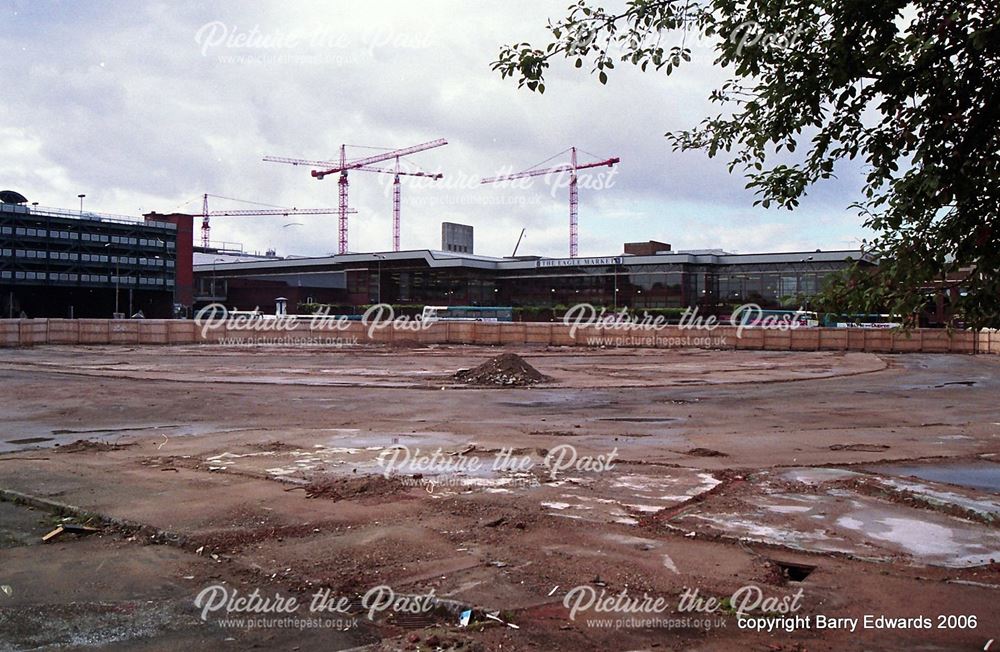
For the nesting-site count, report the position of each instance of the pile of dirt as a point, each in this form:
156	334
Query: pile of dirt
84	445
507	369
354	487
273	447
705	452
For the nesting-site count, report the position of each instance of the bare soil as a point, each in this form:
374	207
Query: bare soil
261	470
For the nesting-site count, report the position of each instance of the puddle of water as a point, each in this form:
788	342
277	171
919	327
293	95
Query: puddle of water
841	521
982	476
951	384
937	540
62	436
574	400
70	431
641	419
815	539
30	440
982	506
816	476
620	499
426	441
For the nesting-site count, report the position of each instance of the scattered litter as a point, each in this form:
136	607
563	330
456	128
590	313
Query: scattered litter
465	617
69	527
496	616
54	533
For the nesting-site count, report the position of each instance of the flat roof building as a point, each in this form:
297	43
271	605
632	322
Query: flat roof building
63	263
457	238
711	279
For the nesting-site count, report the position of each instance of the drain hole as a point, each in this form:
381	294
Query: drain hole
794	572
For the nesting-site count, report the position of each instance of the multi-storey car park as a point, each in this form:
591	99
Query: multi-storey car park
62	263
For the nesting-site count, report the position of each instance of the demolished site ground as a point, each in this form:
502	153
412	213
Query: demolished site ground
867	484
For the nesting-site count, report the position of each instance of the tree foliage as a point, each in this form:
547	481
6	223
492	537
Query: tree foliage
910	87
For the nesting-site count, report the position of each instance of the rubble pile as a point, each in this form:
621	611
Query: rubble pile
508	369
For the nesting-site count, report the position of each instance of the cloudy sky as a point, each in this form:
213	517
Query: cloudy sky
146	105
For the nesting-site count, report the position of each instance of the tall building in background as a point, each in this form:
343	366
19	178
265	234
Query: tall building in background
67	263
456	238
184	280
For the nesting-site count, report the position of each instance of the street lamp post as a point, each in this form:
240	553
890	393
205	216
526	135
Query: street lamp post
213	275
117	274
81	204
378	280
616	286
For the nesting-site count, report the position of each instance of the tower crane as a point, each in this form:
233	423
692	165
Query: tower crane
364	165
574	201
206	213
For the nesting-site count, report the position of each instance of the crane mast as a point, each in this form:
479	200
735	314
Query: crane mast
574	197
343	166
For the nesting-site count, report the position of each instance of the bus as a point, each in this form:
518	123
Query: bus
468	313
773	318
859	320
